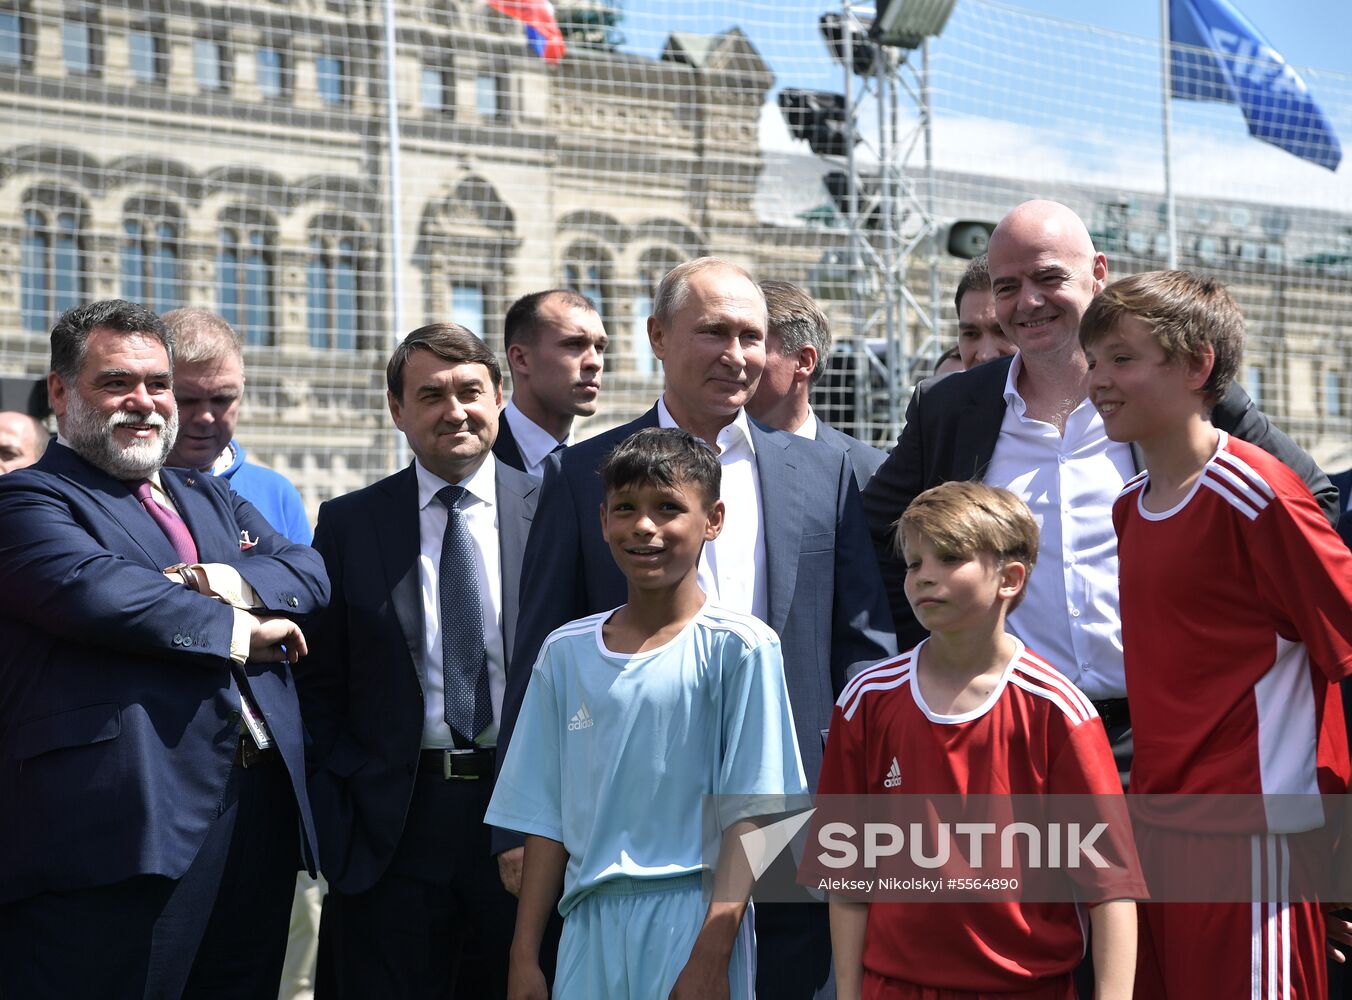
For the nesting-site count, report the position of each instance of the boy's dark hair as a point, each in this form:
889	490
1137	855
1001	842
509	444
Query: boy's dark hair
1186	311
977	278
663	456
70	335
449	341
964	519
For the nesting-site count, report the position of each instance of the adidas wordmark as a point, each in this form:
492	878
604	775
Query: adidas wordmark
581	719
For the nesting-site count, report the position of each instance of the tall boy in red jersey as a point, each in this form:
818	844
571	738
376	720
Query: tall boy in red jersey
1236	601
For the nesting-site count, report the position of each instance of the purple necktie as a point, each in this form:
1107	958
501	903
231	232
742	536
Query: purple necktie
170	523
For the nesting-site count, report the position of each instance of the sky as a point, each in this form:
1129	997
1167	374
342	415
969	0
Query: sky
1022	96
1306	32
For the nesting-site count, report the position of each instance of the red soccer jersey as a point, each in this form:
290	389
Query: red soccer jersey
1236	622
1035	734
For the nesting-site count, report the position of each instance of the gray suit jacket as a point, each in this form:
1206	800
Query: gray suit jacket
361	685
864	458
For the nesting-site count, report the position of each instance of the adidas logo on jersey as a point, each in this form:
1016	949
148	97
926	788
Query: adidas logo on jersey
893	779
581	719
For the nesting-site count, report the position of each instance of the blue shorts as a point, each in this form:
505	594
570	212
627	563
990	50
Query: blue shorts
630	938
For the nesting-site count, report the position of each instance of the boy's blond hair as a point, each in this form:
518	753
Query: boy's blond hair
1185	311
966	519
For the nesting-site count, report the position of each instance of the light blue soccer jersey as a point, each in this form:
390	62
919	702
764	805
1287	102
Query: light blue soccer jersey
613	752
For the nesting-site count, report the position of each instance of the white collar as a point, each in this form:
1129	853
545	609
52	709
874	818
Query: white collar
739	428
480	484
808	428
533	441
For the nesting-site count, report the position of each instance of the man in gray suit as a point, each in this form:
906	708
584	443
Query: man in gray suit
402	691
797	344
794	550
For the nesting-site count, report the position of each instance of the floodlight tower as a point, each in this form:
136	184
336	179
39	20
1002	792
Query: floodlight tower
877	45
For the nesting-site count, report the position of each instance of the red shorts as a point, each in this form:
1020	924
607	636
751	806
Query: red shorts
878	987
1267	950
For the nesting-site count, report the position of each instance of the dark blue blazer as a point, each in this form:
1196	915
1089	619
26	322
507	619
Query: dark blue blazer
119	705
864	458
505	447
952	425
826	600
361	685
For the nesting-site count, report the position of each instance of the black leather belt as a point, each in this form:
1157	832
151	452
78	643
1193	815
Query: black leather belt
1113	712
247	753
459	765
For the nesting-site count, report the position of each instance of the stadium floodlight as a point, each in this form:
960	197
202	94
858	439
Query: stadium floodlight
819	118
968	238
905	24
863	53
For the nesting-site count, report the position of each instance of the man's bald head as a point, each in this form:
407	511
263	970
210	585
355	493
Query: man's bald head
1044	273
23	439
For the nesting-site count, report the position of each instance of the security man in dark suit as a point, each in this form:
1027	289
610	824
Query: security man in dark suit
556	347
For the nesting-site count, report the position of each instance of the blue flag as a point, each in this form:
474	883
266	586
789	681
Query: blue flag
1232	63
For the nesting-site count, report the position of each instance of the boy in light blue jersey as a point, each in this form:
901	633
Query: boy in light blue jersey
630	719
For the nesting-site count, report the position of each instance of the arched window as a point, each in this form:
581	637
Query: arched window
246	276
333	289
151	255
587	269
51	258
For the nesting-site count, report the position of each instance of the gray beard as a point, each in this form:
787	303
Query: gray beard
91	436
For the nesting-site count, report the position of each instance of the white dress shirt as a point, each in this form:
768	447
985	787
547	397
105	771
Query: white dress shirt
1070	613
534	442
481	516
723	566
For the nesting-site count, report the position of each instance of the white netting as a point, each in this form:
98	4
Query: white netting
237	156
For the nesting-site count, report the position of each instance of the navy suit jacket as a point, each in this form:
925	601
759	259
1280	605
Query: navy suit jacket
826	600
505	447
361	685
864	458
952	425
119	704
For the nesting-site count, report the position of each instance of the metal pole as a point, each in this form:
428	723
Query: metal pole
852	181
931	181
887	177
393	188
1166	99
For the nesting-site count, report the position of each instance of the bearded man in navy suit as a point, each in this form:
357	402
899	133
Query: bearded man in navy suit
151	751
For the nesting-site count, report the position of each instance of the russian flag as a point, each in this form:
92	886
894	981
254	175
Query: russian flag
542	30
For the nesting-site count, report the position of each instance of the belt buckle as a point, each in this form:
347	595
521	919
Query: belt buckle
448	770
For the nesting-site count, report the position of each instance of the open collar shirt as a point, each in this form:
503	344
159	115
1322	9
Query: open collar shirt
1070	613
732	566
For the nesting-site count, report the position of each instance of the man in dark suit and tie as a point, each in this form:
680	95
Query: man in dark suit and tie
794	549
151	750
403	688
797	345
556	347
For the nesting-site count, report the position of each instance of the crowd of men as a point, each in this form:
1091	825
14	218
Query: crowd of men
195	702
